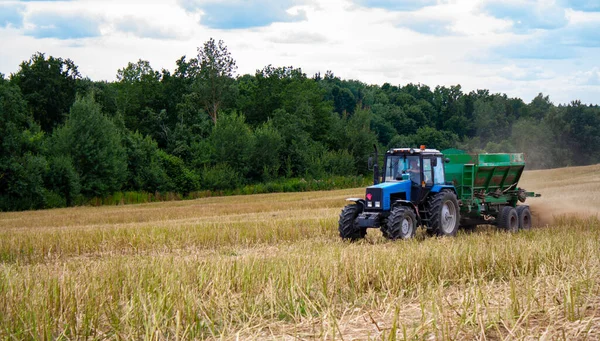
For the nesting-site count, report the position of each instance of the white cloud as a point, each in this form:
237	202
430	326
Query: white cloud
292	37
434	43
589	77
527	73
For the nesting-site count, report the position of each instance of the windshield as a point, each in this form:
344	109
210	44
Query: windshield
396	165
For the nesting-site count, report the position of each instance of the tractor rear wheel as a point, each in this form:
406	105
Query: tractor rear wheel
508	219
524	217
348	227
401	224
443	214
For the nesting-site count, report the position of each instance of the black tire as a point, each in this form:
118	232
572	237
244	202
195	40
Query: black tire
524	217
508	219
443	214
349	229
401	224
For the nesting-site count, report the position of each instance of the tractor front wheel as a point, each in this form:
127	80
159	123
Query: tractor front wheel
349	229
401	224
444	214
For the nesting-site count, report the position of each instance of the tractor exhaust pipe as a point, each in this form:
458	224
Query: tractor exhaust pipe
375	167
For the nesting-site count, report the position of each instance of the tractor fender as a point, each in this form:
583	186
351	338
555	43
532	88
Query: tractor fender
439	188
360	202
408	204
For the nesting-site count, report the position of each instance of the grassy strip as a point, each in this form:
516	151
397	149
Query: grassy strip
282	186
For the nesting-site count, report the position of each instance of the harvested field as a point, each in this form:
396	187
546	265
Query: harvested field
273	267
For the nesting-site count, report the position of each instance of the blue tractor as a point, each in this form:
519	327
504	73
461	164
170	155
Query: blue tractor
412	192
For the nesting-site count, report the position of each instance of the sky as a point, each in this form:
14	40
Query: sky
517	47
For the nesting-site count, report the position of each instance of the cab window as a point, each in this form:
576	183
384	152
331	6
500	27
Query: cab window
438	172
427	172
394	167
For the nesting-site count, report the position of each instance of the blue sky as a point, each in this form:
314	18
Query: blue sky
11	15
519	48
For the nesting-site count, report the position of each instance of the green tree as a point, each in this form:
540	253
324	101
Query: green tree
299	150
144	166
358	138
49	87
233	143
540	106
428	136
397	117
192	126
140	100
215	83
287	90
343	100
583	131
177	85
265	162
451	110
21	164
93	142
383	128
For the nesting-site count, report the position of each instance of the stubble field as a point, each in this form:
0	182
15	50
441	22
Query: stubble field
273	267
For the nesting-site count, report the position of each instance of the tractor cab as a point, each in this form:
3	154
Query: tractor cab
424	168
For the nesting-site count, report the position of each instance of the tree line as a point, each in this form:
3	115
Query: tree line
65	138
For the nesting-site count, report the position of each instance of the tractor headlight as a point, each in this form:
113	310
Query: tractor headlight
377	204
369	204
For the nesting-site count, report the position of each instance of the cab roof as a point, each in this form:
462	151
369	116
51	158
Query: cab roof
414	151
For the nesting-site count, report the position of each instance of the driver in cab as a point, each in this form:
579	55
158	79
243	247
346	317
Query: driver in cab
414	171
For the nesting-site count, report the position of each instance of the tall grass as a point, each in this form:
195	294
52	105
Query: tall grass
452	287
272	267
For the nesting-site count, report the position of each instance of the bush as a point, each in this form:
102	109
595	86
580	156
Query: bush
54	200
181	179
220	177
62	179
338	163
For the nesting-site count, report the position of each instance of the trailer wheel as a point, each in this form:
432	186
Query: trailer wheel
508	219
443	213
348	228
401	224
524	217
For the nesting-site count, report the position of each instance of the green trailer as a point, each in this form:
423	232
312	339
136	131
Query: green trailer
487	188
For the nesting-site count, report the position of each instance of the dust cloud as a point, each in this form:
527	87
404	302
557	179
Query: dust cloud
546	212
572	192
